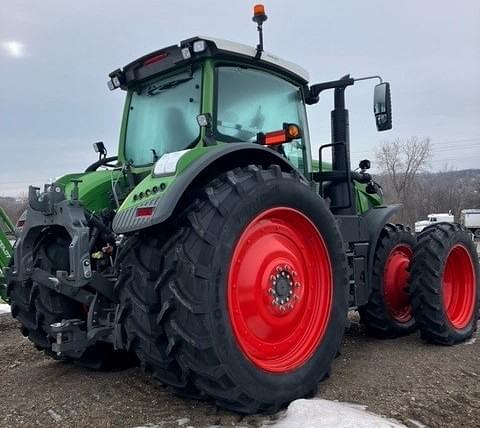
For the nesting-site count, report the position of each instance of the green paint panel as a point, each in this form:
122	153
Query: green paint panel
95	190
365	200
154	187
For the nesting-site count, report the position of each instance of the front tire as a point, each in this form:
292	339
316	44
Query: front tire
257	280
445	284
388	313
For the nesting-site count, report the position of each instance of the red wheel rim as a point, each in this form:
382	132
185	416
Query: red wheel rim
395	279
280	290
459	287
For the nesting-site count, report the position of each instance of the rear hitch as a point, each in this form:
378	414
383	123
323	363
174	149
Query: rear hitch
72	340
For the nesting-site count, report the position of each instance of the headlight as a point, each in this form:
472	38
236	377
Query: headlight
167	164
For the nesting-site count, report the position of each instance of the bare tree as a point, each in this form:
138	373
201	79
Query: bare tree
401	161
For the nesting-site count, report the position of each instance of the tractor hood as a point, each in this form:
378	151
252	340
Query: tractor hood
95	189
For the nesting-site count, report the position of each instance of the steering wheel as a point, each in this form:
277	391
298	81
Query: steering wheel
102	162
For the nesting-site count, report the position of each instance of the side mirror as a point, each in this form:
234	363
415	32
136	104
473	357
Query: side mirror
364	164
382	106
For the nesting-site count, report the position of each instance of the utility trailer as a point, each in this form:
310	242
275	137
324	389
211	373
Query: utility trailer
210	248
470	218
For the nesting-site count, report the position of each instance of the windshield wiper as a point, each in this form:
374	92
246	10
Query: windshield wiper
154	90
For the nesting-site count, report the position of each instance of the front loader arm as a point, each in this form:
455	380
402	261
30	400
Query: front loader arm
6	249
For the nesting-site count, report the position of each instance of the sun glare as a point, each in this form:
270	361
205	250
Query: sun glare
14	48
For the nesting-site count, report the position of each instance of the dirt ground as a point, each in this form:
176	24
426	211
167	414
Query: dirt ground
403	379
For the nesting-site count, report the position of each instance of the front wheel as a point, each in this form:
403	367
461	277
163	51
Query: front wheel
388	313
257	288
445	284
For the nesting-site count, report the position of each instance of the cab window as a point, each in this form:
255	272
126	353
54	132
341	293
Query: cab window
250	101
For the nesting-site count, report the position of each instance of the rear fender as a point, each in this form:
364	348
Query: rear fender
375	219
210	164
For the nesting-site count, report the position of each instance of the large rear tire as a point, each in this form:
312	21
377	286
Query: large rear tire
253	288
143	308
37	307
388	313
445	284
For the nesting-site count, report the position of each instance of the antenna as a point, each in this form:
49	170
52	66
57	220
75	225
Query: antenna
259	17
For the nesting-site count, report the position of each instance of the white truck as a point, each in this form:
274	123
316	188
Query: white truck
434	218
471	220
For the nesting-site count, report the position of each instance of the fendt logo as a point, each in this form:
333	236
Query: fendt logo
4	250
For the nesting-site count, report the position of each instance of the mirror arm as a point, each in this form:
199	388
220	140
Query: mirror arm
315	90
369	78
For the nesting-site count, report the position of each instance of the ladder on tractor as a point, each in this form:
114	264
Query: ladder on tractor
7	234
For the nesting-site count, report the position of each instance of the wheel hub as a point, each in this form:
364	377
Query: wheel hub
283	287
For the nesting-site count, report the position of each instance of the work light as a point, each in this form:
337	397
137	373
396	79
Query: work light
199	46
186	53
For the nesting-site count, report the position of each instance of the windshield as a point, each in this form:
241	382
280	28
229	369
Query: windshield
162	117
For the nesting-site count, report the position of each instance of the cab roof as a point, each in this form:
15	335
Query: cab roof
194	50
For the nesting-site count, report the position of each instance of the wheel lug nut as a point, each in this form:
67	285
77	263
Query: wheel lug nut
290	292
271	291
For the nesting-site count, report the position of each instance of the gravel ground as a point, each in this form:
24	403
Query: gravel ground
403	379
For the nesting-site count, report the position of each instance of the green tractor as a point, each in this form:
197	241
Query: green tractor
212	249
7	235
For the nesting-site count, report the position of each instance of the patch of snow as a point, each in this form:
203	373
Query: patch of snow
182	421
416	423
4	308
471	341
319	413
150	425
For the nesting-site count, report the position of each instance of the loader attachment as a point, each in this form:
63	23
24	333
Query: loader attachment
7	236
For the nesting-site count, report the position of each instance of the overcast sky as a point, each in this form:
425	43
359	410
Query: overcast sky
55	56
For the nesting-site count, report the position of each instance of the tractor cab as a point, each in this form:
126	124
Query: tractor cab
241	99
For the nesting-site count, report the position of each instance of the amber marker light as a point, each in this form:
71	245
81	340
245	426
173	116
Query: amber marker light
293	132
258	9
